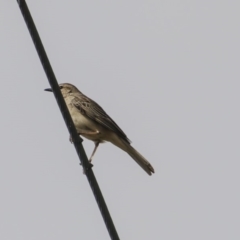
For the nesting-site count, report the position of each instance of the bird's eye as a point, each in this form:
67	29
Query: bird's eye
60	87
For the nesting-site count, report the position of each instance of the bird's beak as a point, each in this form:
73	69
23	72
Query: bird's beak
48	89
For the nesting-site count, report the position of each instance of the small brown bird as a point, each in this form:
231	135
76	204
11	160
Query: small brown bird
93	123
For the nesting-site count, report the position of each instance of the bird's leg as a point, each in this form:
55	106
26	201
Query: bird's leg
94	150
88	132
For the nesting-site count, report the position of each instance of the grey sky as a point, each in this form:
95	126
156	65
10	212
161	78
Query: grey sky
168	73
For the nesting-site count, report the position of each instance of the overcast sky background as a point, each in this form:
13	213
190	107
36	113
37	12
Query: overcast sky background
168	73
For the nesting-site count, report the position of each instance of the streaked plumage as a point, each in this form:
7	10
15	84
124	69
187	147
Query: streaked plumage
93	123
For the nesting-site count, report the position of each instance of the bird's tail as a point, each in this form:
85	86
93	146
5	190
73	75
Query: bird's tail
143	163
139	159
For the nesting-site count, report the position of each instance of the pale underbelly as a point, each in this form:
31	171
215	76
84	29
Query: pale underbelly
98	133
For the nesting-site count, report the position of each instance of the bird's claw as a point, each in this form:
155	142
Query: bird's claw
91	165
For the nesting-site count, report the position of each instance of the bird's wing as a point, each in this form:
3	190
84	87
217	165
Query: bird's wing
93	111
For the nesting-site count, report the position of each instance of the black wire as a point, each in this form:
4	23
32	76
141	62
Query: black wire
77	141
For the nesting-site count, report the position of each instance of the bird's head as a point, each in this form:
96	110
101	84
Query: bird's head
66	88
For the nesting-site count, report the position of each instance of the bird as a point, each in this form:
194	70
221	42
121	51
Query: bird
94	124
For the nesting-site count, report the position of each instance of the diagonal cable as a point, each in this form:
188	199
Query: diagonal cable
77	141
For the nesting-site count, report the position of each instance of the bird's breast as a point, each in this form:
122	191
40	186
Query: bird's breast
82	122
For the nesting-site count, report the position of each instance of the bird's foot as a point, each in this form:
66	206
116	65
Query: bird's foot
91	165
